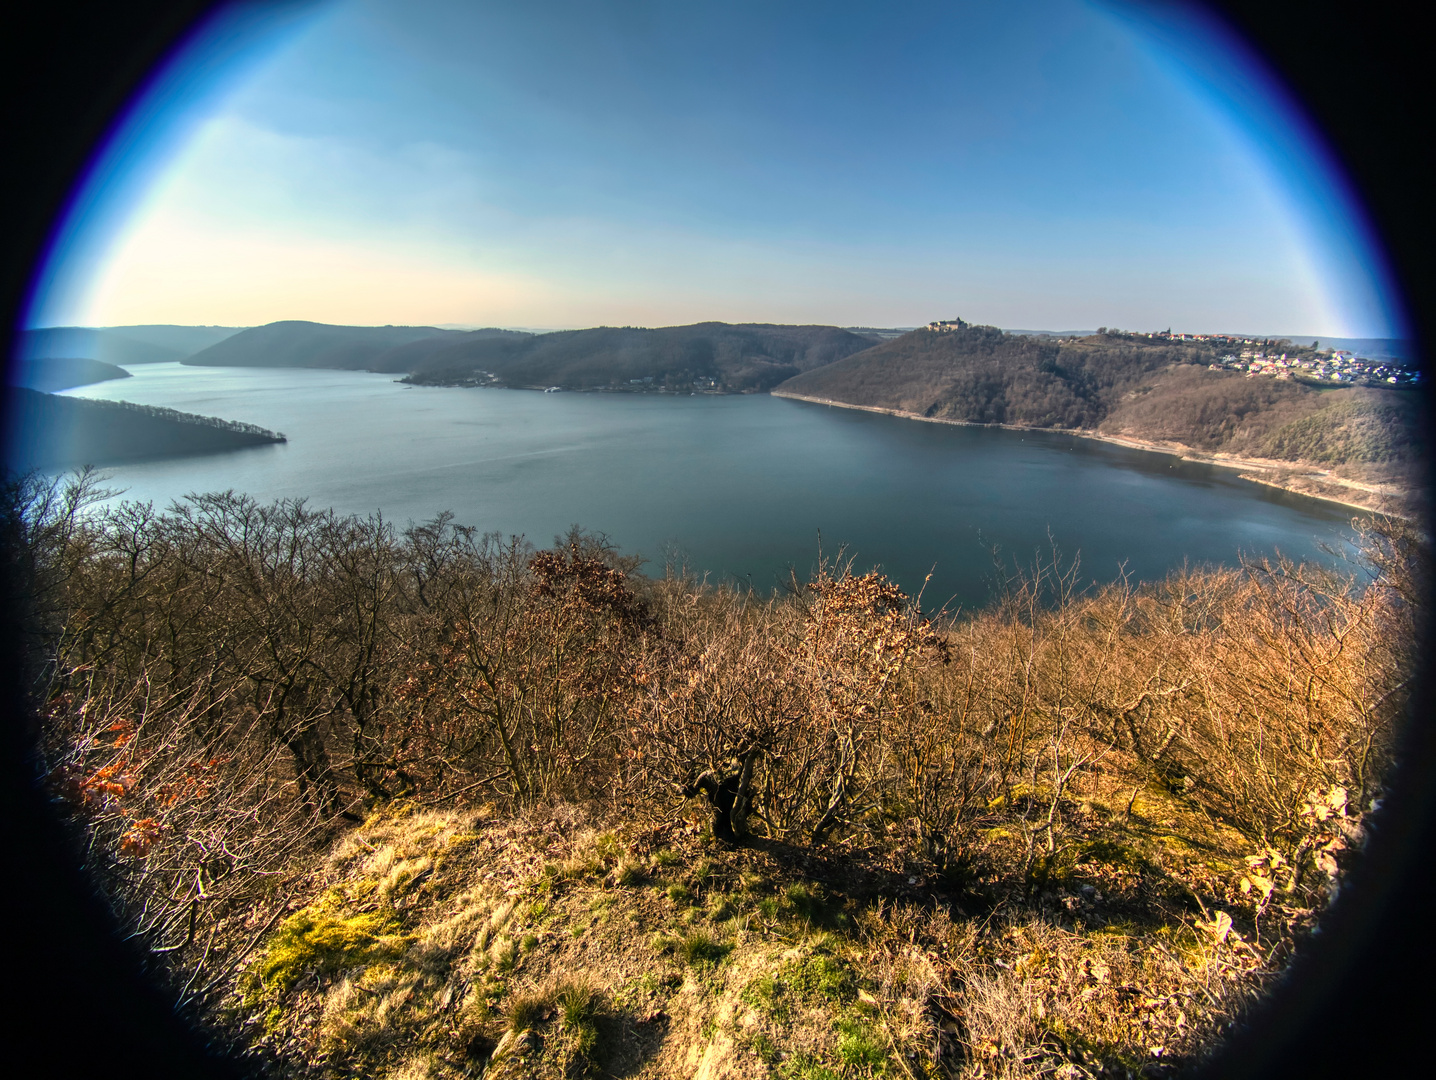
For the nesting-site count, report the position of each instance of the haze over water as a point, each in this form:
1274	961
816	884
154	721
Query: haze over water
742	487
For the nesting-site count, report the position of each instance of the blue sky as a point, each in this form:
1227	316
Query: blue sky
1046	164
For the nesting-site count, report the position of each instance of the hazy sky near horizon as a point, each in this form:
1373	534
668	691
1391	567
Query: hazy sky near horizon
1046	164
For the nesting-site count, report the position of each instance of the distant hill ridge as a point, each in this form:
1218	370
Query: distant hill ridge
122	345
295	343
61	373
714	355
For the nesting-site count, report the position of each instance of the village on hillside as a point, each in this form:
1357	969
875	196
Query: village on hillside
1273	357
1281	359
1335	365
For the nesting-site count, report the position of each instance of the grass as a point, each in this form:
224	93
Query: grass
822	975
528	1010
766	1049
808	904
324	939
803	1066
701	873
858	1046
578	1003
628	874
697	948
809	984
763	993
679	894
505	954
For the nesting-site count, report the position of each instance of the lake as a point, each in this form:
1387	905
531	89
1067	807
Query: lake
740	487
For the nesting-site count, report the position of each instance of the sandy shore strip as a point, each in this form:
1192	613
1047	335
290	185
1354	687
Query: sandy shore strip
1286	475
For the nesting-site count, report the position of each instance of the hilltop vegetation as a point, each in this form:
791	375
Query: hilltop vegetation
716	356
48	431
416	804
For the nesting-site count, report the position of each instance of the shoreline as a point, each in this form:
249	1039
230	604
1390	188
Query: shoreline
1245	468
662	391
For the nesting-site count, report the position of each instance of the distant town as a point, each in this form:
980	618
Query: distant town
1333	365
1271	357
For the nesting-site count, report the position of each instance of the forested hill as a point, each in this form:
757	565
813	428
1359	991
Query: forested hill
982	375
49	431
710	356
1126	385
319	345
123	345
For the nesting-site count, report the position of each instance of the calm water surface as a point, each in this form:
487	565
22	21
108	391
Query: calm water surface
740	487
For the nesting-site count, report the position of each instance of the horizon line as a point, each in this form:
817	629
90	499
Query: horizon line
1293	337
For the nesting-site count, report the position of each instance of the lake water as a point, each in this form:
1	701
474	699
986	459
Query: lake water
742	487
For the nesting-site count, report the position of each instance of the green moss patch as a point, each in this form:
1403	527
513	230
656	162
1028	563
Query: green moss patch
324	939
823	976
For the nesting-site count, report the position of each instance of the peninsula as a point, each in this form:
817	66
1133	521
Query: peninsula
49	374
48	431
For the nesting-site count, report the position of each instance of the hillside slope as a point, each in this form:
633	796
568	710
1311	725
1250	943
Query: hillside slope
528	815
62	372
301	344
124	345
714	355
981	375
1367	443
437	944
1271	418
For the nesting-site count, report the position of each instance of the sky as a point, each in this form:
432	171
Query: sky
1043	164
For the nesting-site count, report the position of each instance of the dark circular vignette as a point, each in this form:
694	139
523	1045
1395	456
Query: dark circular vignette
1357	1002
78	1003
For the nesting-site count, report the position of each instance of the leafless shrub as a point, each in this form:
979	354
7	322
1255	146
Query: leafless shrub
224	683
